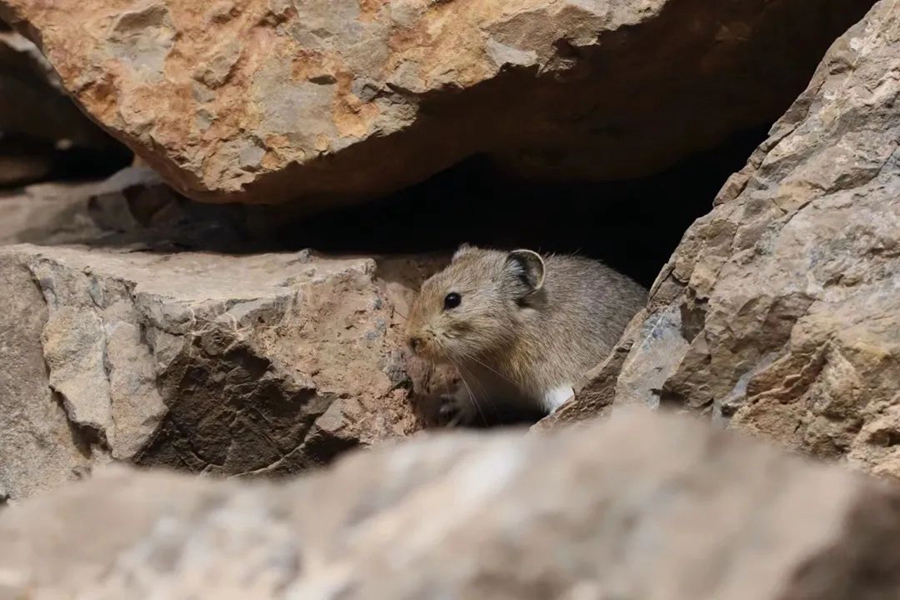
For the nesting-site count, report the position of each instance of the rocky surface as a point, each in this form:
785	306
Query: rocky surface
125	338
326	102
642	507
778	312
264	364
133	207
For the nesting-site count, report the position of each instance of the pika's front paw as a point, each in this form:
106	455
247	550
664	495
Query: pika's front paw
456	410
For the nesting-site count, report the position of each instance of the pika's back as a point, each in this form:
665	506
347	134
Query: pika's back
588	306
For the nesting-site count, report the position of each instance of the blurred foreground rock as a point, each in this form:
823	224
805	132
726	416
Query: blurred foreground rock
779	311
642	507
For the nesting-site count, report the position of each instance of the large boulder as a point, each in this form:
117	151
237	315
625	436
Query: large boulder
263	364
642	507
779	311
330	101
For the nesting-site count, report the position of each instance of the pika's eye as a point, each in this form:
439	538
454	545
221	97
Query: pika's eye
452	300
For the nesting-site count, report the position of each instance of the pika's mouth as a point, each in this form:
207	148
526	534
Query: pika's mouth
415	344
424	346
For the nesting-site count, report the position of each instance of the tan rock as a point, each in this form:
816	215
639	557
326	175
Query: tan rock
39	446
235	365
779	310
326	102
641	507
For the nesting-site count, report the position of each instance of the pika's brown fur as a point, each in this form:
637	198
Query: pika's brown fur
526	327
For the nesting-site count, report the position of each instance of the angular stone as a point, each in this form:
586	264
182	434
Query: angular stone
327	102
38	445
232	365
640	507
778	312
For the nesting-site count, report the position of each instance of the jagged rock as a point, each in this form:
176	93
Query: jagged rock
258	364
39	446
145	343
642	507
779	309
326	102
56	213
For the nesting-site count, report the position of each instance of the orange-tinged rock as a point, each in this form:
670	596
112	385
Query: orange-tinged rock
330	101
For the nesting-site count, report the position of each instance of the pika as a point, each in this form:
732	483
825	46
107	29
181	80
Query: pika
520	328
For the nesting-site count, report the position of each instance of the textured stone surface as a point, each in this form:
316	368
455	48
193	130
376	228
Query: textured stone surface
39	446
779	310
327	101
261	364
642	507
53	213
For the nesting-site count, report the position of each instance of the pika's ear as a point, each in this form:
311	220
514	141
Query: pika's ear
528	266
462	250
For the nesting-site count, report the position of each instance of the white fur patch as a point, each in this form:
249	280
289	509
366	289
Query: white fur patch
556	397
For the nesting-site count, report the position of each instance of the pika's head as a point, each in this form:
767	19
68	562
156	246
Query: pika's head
475	305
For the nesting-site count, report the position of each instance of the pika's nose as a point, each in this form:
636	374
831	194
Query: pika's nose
415	343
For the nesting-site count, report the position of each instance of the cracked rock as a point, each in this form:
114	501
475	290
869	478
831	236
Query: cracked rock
228	365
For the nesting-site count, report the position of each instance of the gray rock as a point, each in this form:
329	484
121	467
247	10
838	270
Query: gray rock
38	445
640	507
261	364
786	295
